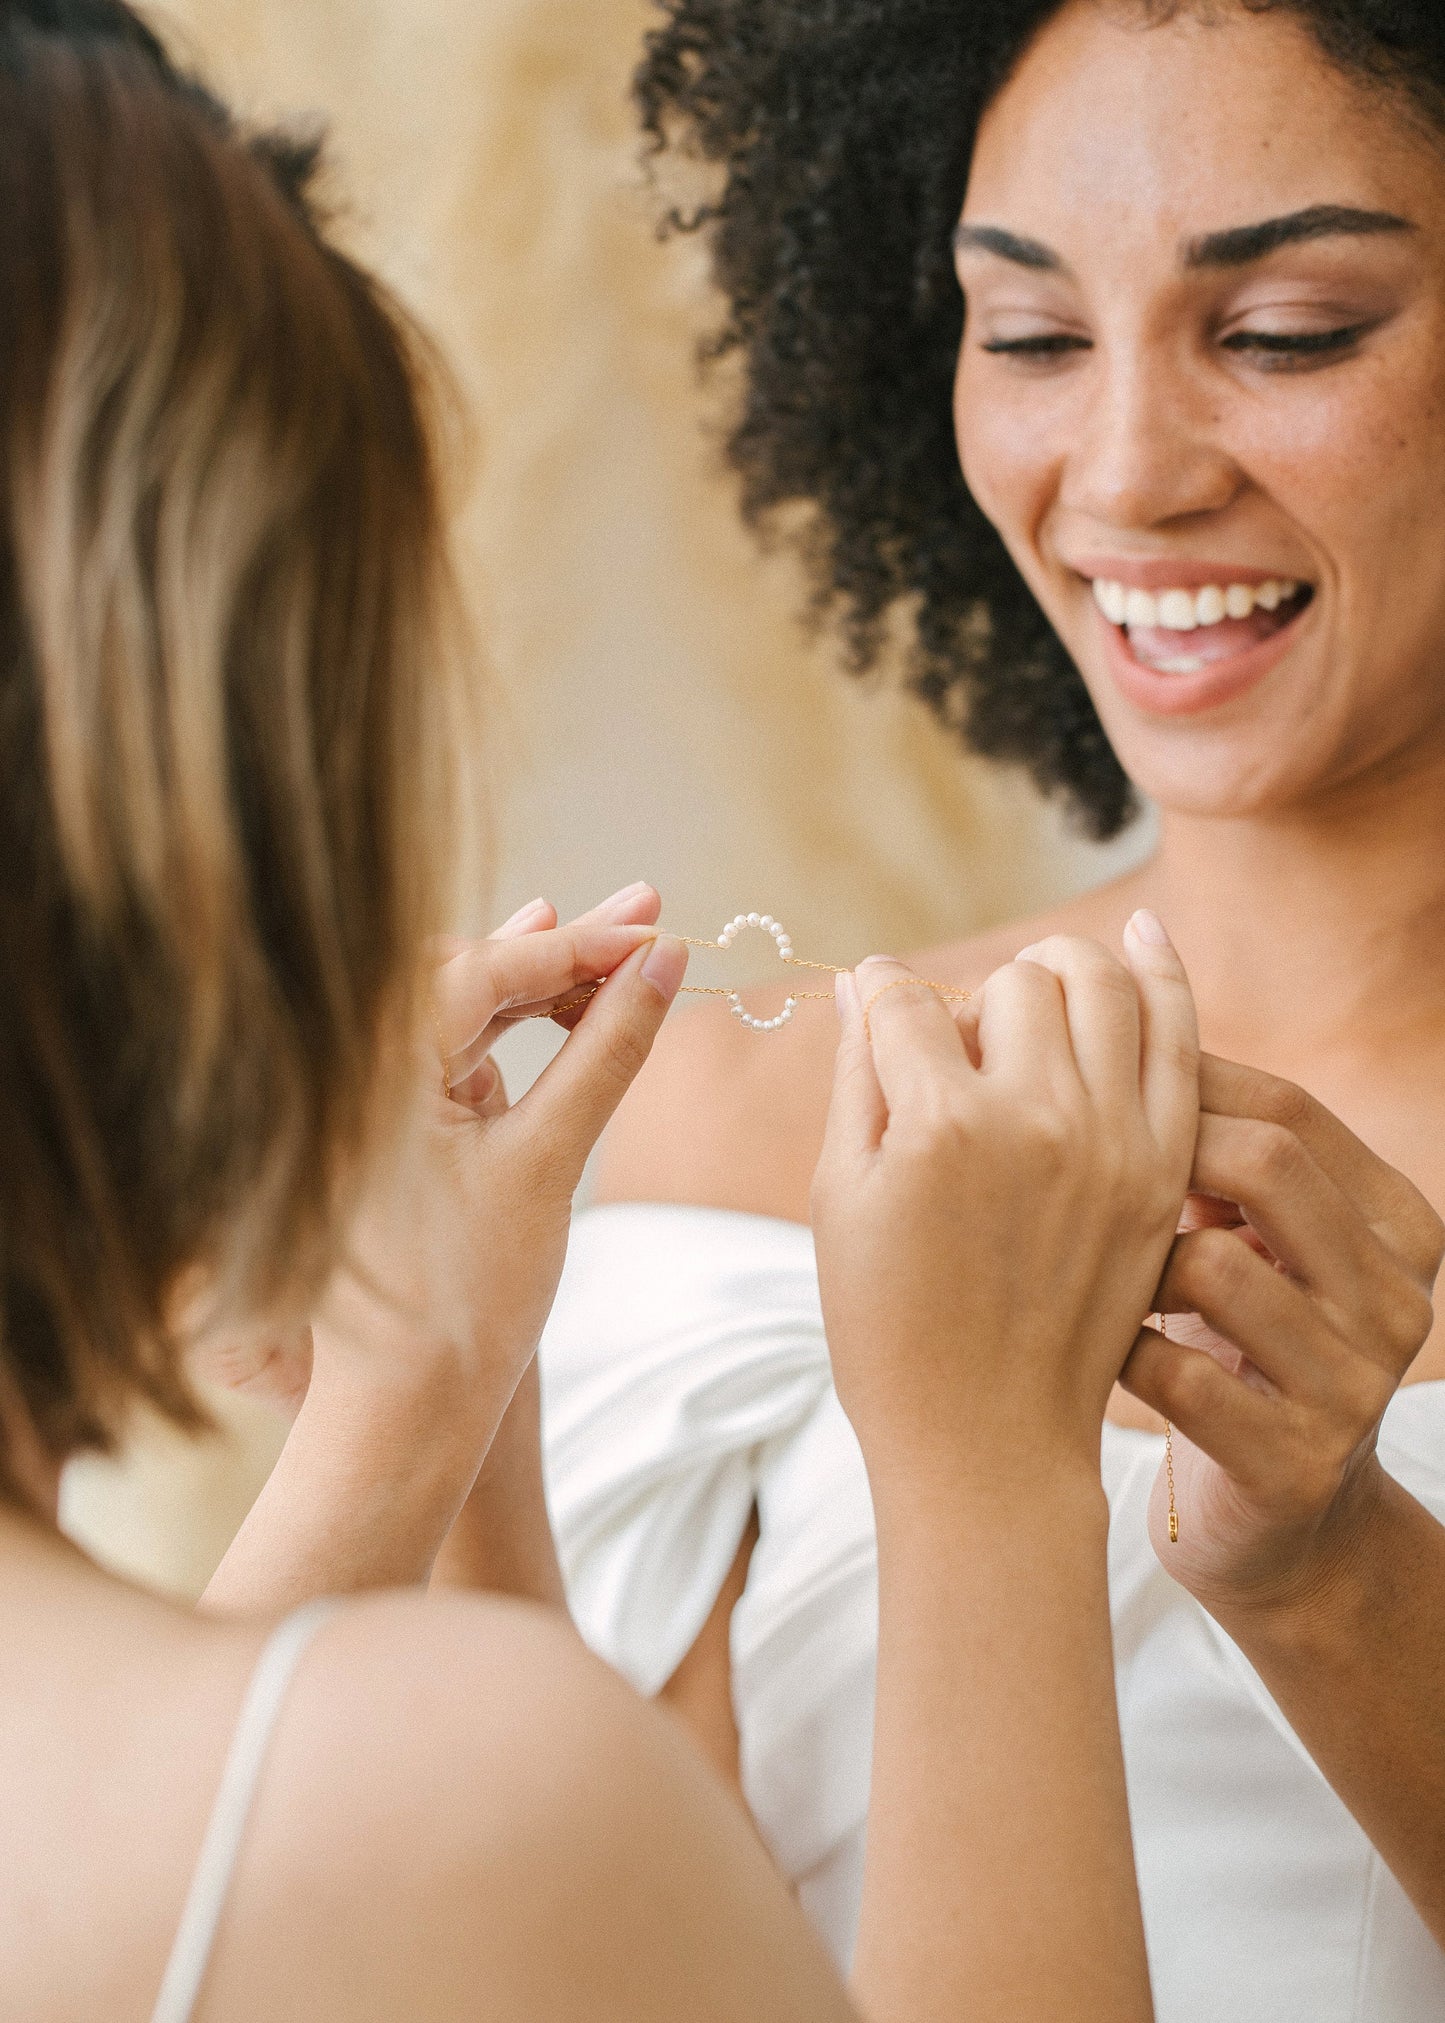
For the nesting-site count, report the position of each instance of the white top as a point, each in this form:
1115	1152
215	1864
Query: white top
686	1378
195	1940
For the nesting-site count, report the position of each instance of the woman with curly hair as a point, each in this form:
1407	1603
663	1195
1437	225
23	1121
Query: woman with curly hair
1102	342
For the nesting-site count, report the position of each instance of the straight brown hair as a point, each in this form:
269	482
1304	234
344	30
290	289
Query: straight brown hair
228	686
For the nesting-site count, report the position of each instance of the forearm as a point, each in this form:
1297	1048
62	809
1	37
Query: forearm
365	1492
502	1540
1356	1663
999	1879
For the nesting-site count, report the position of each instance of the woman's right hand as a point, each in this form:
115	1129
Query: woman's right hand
995	1203
993	1208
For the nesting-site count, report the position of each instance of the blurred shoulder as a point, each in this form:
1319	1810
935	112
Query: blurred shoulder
472	1814
722	1117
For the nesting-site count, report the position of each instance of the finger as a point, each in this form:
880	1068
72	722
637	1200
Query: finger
909	1031
494	982
1023	1028
1234	1425
536	916
1169	1036
1361	1286
857	1112
1101	1004
568	1106
1264	1315
634	906
483	1092
1393	1207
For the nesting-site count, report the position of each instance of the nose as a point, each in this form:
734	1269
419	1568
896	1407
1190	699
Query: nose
1147	451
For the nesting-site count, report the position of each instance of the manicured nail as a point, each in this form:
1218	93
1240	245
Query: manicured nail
620	901
845	991
1029	954
1150	928
666	965
523	914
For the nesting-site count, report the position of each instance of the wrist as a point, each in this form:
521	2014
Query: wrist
1051	1504
1310	1602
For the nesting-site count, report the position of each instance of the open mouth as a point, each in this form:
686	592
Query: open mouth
1181	631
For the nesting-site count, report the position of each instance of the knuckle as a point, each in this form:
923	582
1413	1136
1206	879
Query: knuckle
1210	1262
1272	1156
621	1053
1284	1103
1364	1393
1184	1384
1426	1239
1411	1315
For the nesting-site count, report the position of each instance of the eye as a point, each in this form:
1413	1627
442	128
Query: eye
1278	350
1054	345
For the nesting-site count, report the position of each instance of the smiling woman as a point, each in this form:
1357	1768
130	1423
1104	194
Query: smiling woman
1107	341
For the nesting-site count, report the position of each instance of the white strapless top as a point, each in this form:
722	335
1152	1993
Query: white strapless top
686	1378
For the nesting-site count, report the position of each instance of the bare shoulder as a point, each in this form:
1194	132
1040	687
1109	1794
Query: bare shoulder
722	1117
467	1814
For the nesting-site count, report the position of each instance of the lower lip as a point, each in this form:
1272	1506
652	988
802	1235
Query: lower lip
1190	694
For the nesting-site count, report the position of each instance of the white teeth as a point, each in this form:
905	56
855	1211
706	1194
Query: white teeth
1140	608
1112	599
1184	610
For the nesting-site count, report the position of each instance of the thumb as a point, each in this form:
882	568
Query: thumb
574	1098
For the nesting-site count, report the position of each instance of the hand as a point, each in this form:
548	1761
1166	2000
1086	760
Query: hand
1304	1297
994	1205
453	1156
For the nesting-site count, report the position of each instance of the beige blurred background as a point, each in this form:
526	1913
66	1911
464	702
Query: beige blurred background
660	711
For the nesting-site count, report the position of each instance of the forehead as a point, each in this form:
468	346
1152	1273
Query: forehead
1206	121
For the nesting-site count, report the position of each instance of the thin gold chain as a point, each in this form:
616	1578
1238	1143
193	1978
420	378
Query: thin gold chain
1169	1454
948	991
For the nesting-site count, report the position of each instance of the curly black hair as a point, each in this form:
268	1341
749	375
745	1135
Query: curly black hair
844	130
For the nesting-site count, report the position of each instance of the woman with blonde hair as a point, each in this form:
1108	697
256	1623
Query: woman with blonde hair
248	1112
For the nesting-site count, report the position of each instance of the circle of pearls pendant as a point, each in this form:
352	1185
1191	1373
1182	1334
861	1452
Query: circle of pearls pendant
784	945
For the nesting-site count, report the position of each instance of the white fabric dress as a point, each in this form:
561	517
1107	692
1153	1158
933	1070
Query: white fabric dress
686	1378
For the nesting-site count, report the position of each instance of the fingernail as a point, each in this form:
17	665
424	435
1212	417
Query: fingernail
666	966
524	914
1029	954
845	992
1150	928
625	897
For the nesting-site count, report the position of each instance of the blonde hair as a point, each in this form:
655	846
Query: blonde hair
227	678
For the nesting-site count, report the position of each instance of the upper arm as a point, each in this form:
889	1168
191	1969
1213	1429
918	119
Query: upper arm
466	1814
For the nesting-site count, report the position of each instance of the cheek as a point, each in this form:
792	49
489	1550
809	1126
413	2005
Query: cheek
1357	462
1005	452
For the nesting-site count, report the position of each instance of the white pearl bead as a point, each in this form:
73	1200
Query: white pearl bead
755	920
767	920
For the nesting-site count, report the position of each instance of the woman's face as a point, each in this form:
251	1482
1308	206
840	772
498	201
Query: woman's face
1201	394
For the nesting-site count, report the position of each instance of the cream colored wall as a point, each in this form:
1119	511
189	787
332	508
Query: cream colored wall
662	713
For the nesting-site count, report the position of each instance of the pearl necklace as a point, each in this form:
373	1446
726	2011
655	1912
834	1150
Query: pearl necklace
783	942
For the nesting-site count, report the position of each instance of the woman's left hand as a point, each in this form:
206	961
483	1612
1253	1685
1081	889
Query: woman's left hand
1303	1295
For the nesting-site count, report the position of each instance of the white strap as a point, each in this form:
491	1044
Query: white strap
200	1920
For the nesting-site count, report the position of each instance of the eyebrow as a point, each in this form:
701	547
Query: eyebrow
1246	243
1237	247
1032	253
